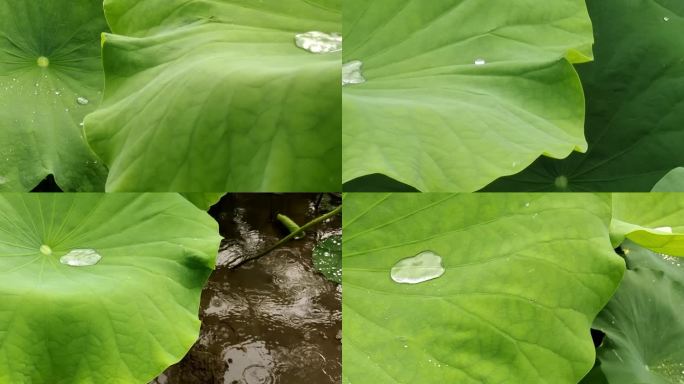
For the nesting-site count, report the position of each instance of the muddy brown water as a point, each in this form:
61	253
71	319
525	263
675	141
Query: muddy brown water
273	320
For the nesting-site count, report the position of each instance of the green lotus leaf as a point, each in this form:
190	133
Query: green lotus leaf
204	201
430	117
634	90
524	277
643	322
50	78
327	258
214	96
652	220
672	182
121	320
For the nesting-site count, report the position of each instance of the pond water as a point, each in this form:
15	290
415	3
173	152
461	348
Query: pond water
273	319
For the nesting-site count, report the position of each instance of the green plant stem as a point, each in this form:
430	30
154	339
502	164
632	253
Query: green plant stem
293	234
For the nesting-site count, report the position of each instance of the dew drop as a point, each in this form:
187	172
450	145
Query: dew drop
81	257
480	62
82	101
666	19
425	266
58	93
663	229
43	62
45	250
319	42
351	73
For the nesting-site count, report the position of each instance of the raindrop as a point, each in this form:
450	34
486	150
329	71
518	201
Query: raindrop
319	42
80	257
257	374
58	93
666	19
351	73
663	229
82	101
425	266
480	62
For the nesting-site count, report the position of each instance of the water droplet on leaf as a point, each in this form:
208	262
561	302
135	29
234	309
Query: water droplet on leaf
80	257
45	250
666	19
425	266
663	229
351	73
480	62
319	42
82	101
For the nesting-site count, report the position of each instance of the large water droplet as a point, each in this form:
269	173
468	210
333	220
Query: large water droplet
43	62
45	250
82	101
319	42
351	73
425	266
663	229
480	62
80	257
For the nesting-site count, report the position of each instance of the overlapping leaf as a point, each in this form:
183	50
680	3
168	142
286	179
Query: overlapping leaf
672	182
430	117
525	276
213	96
327	258
42	104
643	323
122	320
652	220
634	91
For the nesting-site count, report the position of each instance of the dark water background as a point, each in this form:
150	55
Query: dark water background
270	320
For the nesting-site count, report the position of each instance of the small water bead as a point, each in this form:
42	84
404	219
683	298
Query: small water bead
351	73
480	62
425	266
666	19
82	101
319	42
81	258
45	250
